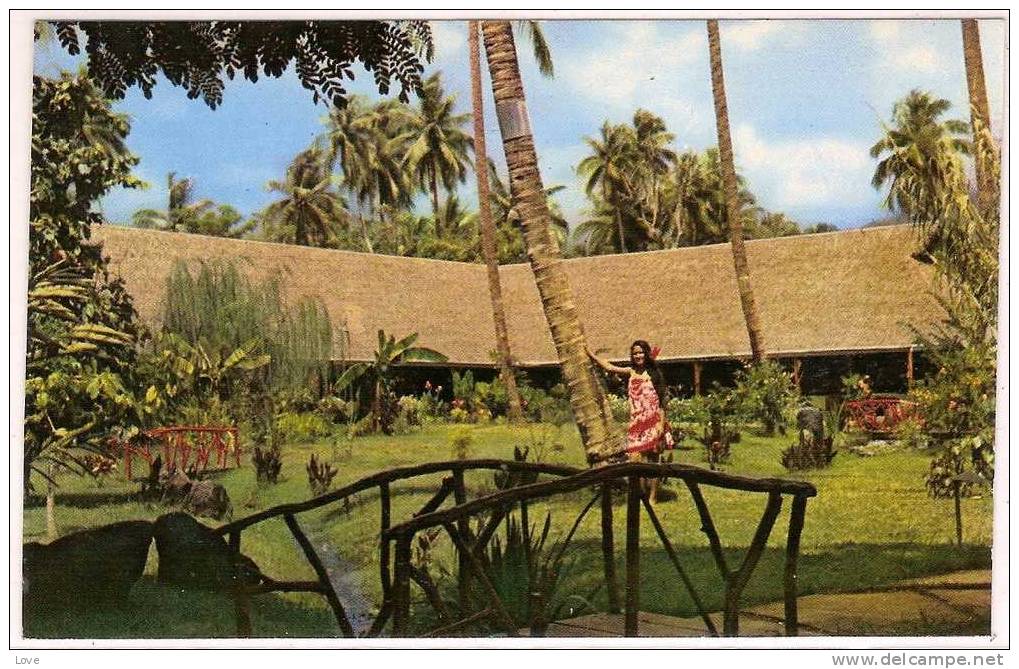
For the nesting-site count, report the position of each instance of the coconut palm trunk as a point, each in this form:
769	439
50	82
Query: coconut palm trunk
980	115
599	435
488	249
732	207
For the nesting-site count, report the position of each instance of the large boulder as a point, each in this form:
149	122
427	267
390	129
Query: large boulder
93	568
192	556
810	422
206	498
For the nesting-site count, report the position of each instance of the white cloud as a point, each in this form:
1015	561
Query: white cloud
904	47
752	35
810	172
633	67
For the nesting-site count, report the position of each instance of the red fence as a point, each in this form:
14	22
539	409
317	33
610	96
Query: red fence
879	415
177	444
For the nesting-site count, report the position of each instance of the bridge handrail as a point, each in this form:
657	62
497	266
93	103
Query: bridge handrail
390	476
586	478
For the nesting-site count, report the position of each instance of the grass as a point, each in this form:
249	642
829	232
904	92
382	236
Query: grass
872	523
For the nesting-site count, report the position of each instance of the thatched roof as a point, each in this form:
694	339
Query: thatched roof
852	291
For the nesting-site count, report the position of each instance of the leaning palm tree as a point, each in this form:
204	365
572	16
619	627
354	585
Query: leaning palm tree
599	435
309	208
182	210
732	207
437	146
489	245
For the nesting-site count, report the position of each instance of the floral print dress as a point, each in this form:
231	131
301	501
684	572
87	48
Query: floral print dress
647	422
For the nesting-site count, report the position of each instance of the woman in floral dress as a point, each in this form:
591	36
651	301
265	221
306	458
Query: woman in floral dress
648	433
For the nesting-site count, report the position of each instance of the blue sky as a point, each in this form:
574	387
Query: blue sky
806	101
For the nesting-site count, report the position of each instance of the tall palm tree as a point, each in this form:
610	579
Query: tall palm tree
182	210
980	115
911	147
654	159
437	146
310	208
609	168
732	207
587	395
488	241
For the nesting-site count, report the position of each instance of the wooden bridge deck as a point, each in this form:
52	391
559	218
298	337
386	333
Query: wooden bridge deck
952	601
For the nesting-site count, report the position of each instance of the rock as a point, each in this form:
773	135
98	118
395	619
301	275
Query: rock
94	568
811	420
191	555
176	486
209	499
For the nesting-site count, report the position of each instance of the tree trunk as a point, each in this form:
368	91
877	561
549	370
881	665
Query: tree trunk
51	506
732	208
619	226
435	197
599	435
980	115
488	250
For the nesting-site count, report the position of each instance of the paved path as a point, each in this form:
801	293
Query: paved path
934	605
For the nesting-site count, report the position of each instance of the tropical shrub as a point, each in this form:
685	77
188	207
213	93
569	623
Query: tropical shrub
767	394
82	327
855	387
620	408
492	396
320	476
458	414
375	378
460	442
303	428
463	389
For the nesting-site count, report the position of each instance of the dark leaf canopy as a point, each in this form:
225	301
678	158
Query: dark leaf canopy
196	54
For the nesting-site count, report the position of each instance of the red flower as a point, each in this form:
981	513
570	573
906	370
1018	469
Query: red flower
655	350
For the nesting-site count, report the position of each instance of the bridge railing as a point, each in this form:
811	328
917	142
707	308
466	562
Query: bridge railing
452	485
470	547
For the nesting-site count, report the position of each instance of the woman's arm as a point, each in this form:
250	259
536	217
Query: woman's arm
604	364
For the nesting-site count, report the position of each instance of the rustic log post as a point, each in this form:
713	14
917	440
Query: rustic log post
323	575
738	580
909	367
400	591
632	556
708	528
797	373
607	548
384	523
462	582
242	609
792	554
697	368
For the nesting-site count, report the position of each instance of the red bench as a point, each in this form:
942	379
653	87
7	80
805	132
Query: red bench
177	444
879	415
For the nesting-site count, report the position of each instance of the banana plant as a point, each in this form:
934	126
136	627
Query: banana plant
378	373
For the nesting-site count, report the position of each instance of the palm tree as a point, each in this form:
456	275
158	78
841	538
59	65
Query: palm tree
389	354
309	208
654	159
609	168
980	115
182	211
489	245
732	205
587	395
918	155
437	147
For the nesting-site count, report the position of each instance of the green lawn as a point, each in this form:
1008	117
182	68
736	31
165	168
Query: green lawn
871	523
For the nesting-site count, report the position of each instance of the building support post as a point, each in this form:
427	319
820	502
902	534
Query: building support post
797	376
909	367
697	378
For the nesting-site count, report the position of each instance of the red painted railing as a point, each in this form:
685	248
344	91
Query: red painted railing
177	444
879	415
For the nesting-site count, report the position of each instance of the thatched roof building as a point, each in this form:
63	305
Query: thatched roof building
851	292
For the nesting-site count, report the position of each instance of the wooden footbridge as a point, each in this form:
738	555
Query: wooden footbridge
528	483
